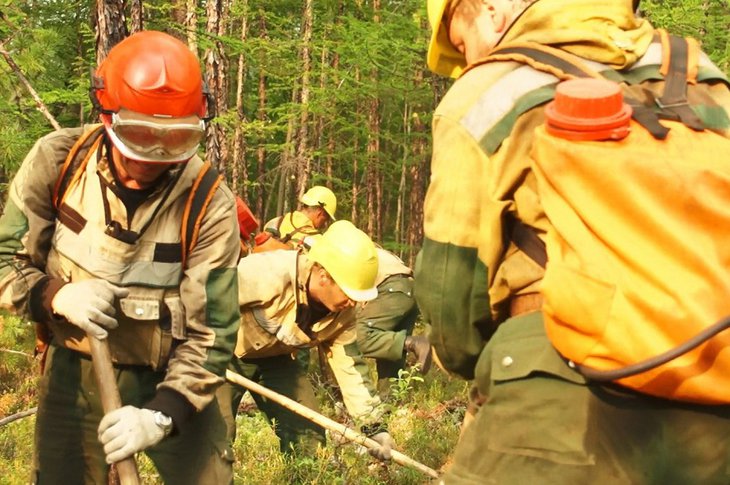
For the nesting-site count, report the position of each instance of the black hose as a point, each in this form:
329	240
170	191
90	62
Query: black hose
656	361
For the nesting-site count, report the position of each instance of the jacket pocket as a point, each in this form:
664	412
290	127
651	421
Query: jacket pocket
538	406
252	339
141	338
177	317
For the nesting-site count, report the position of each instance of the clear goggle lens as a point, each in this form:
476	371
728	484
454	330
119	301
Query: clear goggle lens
157	137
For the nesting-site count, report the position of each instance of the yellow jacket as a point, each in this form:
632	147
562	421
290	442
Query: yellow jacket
467	272
292	228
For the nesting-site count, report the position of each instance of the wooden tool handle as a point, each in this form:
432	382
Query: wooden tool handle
111	400
325	422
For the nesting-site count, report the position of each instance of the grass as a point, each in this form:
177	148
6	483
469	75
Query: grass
425	413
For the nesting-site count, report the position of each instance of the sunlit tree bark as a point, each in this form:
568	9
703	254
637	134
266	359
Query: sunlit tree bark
216	65
111	26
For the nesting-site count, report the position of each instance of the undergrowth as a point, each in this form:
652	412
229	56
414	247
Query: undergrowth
424	417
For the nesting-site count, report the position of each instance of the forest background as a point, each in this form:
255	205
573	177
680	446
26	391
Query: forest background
332	92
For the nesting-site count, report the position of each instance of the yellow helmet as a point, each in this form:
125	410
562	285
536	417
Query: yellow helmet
442	57
349	256
323	197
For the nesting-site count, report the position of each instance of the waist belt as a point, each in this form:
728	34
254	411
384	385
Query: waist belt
529	302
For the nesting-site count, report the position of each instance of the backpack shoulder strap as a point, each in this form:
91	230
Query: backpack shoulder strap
76	161
542	58
285	238
525	238
201	193
680	59
567	66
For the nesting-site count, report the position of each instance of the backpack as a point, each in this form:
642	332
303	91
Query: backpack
201	193
271	238
637	262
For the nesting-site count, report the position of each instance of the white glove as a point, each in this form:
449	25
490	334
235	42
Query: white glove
89	304
127	430
386	443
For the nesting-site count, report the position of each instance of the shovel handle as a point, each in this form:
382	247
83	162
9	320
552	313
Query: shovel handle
110	400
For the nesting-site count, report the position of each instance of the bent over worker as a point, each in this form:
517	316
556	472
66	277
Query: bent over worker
317	208
537	419
385	324
106	261
291	300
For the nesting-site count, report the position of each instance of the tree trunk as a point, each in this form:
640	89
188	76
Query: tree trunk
373	183
331	144
261	117
215	76
356	151
136	14
191	24
303	158
178	14
286	168
418	173
111	26
81	72
399	217
239	142
320	117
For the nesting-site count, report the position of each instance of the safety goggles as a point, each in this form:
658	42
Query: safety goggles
148	138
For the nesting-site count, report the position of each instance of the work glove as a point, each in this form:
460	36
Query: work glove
128	430
421	348
89	304
386	443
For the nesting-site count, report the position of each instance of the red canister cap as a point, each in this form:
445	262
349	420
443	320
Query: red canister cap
588	109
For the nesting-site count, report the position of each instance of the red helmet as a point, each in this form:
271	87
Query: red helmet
152	73
150	92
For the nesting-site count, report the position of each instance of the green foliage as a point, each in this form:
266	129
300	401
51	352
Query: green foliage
18	366
15	451
18	378
705	20
49	44
402	386
360	59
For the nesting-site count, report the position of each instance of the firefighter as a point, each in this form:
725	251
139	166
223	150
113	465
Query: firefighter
106	262
385	325
292	300
535	417
316	212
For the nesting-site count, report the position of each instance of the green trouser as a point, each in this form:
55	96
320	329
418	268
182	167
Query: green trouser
284	375
384	323
542	423
67	450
